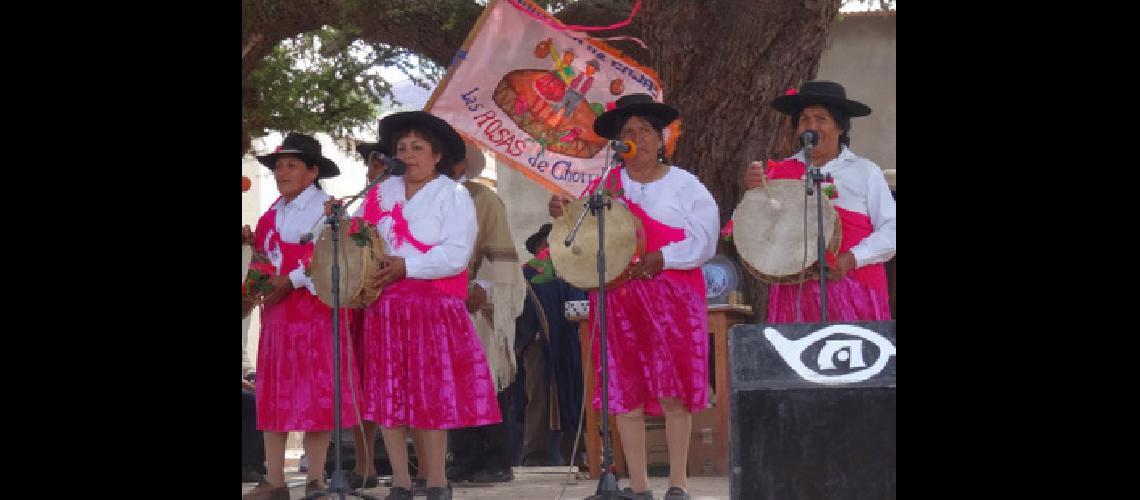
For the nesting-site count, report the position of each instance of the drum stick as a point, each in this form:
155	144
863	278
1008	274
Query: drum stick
772	201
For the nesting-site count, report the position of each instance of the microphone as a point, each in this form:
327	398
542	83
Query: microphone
809	138
627	149
395	165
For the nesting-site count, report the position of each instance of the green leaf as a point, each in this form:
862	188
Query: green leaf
323	81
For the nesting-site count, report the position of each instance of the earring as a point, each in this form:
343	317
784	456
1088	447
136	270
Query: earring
661	154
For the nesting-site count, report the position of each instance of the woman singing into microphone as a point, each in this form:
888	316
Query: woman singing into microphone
656	324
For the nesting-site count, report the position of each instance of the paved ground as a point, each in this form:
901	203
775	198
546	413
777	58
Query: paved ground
537	483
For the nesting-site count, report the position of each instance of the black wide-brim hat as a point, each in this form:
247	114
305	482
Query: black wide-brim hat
366	148
820	92
305	147
608	124
536	239
453	148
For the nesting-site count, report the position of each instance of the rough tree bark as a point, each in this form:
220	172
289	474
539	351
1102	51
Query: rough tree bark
721	62
722	72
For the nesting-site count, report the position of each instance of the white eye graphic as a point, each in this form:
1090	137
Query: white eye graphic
850	351
845	350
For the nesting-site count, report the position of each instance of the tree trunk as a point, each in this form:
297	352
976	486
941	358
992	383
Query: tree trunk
721	67
721	62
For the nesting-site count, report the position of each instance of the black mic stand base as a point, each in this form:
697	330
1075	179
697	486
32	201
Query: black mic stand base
338	488
608	488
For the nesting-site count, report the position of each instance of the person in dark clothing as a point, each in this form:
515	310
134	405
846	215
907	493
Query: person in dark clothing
550	361
252	446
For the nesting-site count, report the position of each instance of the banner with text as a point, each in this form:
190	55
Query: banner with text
529	90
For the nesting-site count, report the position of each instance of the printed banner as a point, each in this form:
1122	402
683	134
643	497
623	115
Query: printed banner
528	89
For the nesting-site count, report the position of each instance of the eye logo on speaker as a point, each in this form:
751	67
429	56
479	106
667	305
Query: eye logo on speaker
841	360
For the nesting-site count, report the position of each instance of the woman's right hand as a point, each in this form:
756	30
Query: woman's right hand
392	268
282	285
556	204
328	205
754	176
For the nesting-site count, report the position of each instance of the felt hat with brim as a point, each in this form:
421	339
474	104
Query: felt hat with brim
453	148
305	147
609	124
366	148
537	238
820	92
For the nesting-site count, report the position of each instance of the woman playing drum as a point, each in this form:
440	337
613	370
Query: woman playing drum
424	366
857	282
656	325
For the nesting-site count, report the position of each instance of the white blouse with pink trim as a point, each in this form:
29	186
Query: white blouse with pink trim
863	188
294	220
441	214
679	200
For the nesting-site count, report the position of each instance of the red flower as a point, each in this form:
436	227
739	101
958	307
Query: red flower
263	267
727	230
830	191
791	92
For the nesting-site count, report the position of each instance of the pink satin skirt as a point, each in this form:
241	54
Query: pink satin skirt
847	300
295	367
424	366
657	339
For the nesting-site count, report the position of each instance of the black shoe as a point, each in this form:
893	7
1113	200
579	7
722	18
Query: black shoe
639	495
398	493
677	493
249	475
439	493
493	476
357	482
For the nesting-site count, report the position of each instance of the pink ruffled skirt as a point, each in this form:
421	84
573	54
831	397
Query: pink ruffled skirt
295	367
424	366
657	339
847	300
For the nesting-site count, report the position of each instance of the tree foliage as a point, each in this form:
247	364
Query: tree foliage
315	82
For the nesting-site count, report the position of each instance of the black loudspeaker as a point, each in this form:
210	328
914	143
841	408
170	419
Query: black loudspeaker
813	411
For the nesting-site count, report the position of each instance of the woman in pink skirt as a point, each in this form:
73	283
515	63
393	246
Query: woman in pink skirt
857	281
656	322
424	366
294	390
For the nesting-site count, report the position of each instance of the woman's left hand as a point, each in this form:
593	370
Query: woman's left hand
844	264
649	265
391	269
281	287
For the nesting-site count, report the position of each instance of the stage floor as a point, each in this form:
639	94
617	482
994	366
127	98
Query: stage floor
537	483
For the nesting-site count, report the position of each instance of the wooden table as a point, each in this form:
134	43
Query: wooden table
721	318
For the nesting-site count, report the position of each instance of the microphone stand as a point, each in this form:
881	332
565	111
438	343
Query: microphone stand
338	486
816	176
608	484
